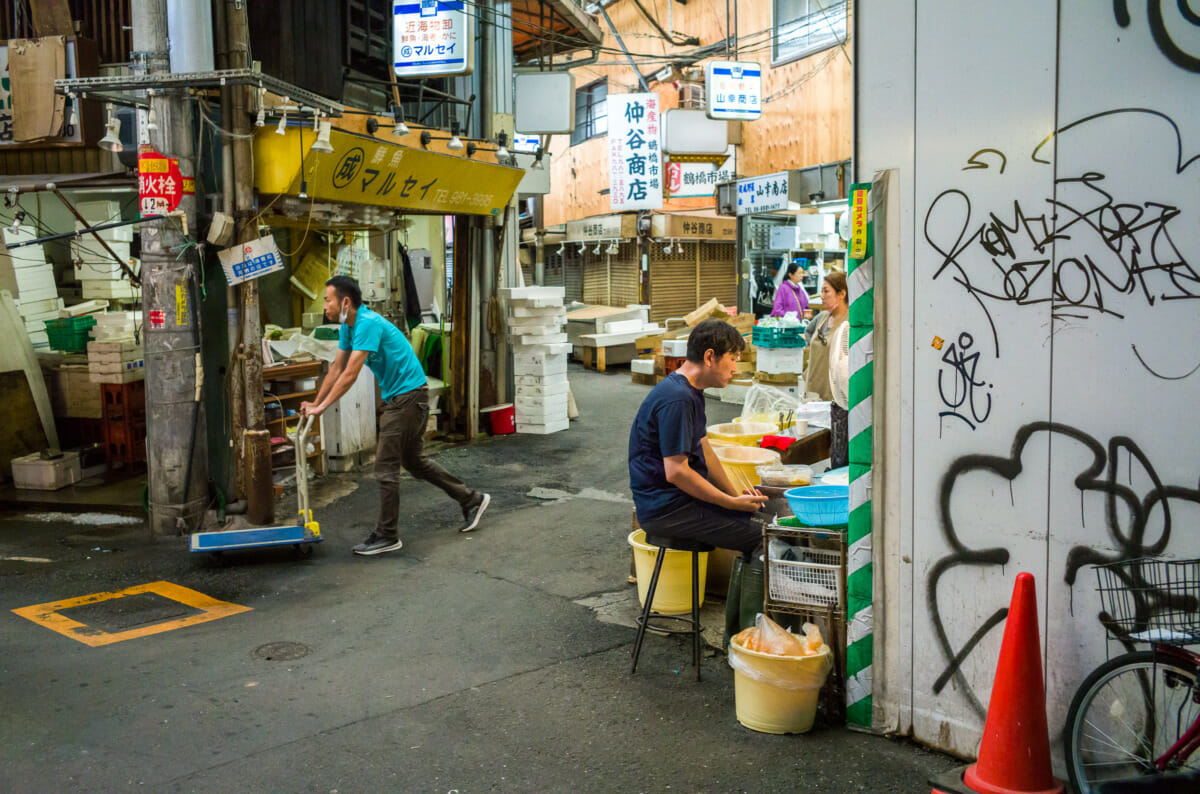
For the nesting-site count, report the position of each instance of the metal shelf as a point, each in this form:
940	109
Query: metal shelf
215	79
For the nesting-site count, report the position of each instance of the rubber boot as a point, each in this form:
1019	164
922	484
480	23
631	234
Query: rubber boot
751	602
733	602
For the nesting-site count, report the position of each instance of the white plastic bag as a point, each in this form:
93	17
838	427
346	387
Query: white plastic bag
768	404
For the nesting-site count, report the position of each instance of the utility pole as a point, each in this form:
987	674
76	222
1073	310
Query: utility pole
252	446
176	440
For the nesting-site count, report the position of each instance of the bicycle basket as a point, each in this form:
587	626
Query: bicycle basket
1150	599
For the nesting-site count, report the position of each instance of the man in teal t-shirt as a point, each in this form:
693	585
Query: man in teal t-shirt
367	338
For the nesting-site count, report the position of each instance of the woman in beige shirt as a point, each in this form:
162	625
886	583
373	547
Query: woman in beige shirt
836	309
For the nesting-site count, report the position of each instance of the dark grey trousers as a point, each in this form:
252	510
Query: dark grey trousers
402	445
707	523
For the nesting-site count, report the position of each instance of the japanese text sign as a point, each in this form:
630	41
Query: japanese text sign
251	260
858	223
432	37
734	90
160	184
634	154
698	180
762	193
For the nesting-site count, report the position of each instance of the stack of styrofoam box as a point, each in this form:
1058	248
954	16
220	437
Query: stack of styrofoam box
37	294
540	350
101	275
115	354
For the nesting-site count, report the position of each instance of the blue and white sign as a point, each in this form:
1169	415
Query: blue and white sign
432	38
762	193
526	143
733	89
250	260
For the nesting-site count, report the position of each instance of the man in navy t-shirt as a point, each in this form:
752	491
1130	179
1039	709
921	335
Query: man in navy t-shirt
679	488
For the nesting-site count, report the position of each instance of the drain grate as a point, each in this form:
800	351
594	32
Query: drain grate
281	651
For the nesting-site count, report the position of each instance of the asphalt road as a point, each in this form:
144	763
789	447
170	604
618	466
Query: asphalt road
463	663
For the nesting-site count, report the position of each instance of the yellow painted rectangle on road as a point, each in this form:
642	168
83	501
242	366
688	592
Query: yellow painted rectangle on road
48	615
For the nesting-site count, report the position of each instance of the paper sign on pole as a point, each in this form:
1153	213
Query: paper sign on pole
161	186
634	154
251	260
432	37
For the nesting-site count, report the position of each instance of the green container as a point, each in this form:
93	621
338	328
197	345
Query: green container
70	334
325	334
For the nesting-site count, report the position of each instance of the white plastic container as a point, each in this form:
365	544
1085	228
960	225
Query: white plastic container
674	347
33	473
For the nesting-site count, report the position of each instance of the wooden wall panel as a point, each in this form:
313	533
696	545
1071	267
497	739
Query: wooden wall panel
806	116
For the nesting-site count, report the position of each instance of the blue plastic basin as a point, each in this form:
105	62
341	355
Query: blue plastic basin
820	505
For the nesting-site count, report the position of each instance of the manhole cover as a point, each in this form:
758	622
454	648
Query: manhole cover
281	651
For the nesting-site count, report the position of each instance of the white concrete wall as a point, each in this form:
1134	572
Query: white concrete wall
1046	172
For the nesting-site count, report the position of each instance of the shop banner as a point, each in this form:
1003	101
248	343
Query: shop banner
251	260
634	154
432	37
699	180
734	90
762	193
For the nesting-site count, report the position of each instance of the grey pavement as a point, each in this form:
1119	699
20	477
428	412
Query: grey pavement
491	661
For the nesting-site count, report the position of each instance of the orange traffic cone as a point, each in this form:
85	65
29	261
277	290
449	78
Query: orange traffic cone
1014	755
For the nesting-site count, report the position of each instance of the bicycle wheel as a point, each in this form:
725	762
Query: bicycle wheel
1126	714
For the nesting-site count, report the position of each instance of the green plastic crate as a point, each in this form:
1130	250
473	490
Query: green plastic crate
70	334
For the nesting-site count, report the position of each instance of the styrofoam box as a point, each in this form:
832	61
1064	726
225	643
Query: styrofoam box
543	429
32	279
539	363
622	327
116	234
674	347
779	359
99	210
546	389
533	293
643	366
563	348
30	471
545	402
107	289
529	312
541	380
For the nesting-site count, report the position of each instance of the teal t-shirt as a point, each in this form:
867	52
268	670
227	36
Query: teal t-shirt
389	355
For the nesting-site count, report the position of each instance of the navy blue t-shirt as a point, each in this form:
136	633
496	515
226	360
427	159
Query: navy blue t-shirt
670	422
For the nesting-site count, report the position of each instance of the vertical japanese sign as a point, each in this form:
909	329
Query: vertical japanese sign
858	223
634	156
432	37
734	90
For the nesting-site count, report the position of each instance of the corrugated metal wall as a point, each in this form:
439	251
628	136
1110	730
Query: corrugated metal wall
718	275
625	275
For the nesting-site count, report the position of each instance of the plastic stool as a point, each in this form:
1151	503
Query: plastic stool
692	624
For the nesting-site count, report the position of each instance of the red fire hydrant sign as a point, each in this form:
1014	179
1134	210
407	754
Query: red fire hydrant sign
160	184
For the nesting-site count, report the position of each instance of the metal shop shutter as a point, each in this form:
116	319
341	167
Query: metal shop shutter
553	273
595	278
672	281
718	273
624	276
572	274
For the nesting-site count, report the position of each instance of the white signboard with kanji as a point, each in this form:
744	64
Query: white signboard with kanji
699	180
432	37
634	154
762	193
250	260
734	90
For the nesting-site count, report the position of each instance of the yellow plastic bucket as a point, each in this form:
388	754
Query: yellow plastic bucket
673	596
746	434
777	694
741	464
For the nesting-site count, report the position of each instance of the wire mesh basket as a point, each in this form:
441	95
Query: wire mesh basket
1150	599
810	576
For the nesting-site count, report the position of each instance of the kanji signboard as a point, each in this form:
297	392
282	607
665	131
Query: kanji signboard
250	260
634	154
698	180
762	193
734	90
160	184
432	37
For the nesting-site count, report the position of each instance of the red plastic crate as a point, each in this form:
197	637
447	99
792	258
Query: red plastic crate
125	401
125	442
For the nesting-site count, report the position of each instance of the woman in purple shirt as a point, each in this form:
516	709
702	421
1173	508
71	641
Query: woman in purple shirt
790	297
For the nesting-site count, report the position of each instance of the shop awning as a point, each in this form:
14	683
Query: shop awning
366	170
544	27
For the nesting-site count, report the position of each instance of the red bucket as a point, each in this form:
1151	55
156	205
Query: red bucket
501	419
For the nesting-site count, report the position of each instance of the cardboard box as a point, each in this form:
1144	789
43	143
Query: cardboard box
776	379
712	308
34	473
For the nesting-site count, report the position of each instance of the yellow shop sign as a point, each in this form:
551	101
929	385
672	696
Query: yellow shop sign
365	170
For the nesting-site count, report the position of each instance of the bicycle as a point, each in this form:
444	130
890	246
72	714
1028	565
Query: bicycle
1137	716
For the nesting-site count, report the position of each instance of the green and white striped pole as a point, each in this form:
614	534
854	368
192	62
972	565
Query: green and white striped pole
859	583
